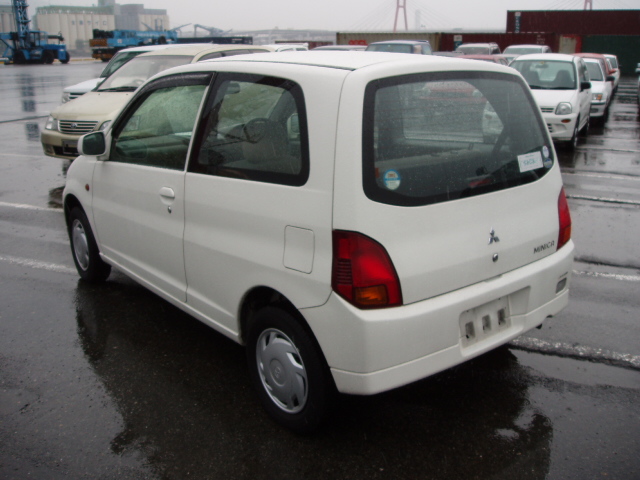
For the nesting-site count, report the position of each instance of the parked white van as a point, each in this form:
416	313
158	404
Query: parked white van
562	88
341	214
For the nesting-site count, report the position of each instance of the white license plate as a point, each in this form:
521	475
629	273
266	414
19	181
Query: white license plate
484	321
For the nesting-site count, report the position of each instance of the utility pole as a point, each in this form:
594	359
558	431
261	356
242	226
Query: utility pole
402	5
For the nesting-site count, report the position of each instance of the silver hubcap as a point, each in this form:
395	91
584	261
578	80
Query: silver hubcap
80	244
281	370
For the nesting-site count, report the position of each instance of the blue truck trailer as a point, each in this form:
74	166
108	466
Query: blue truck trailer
106	43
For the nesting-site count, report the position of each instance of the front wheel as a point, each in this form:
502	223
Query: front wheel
84	248
288	371
573	143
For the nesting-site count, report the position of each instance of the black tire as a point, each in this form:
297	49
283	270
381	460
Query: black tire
585	130
288	371
84	249
19	58
48	57
573	143
66	60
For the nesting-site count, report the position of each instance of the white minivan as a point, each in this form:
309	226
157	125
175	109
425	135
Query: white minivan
343	215
561	86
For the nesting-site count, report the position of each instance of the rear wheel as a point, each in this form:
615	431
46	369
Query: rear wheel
84	248
288	370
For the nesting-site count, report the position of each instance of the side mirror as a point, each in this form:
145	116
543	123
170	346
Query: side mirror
92	144
585	86
611	78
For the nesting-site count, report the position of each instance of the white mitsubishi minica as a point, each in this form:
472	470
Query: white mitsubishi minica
358	220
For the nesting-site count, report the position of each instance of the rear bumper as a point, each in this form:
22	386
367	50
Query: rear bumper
374	351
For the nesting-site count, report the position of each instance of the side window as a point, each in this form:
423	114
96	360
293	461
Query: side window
255	129
209	56
231	53
158	131
584	72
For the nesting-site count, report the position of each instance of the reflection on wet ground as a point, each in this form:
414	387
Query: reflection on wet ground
183	393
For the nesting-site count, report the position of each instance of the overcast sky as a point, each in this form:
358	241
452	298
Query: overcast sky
345	15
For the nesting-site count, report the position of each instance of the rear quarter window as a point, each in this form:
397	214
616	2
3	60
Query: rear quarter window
441	137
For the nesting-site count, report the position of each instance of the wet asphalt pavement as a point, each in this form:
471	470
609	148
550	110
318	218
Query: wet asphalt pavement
106	382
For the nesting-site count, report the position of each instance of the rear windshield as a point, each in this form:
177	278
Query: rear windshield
469	50
434	138
523	50
391	47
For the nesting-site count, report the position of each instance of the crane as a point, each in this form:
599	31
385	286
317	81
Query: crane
30	46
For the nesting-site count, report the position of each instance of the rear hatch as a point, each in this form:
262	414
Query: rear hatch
459	179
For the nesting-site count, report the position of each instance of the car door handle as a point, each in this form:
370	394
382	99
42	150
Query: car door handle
167	196
168	193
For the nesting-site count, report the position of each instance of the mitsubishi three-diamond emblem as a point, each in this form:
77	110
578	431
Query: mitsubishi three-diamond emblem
493	238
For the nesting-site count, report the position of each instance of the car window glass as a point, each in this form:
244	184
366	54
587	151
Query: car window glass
158	132
391	47
231	53
255	130
584	73
209	56
439	139
595	72
138	70
119	60
547	75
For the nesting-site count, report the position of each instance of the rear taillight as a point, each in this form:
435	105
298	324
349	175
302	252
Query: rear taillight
565	220
363	273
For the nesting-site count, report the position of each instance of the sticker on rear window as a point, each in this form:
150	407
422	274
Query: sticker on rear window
530	161
392	179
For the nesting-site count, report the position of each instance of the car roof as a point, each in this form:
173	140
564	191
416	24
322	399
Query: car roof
148	48
594	60
482	56
477	44
416	42
197	48
349	60
340	47
527	45
562	57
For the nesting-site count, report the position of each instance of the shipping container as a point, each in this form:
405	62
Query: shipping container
579	22
625	47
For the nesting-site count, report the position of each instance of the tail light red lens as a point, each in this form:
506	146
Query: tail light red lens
565	220
363	273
